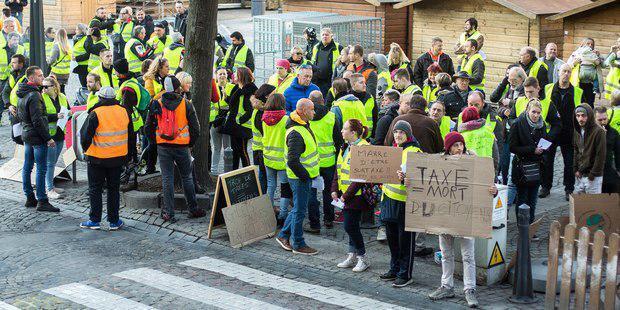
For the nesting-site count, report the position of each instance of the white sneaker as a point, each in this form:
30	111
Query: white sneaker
59	190
52	194
349	262
381	236
361	264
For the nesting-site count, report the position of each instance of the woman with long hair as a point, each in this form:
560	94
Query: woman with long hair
60	59
238	123
154	77
217	115
258	108
54	101
397	59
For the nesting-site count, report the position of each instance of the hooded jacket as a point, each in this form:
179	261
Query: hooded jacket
295	92
385	120
171	101
89	129
31	112
380	62
590	148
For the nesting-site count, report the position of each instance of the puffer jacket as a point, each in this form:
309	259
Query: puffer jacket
295	92
31	112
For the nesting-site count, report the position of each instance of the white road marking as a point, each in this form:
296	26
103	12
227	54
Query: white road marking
192	290
5	306
95	298
260	278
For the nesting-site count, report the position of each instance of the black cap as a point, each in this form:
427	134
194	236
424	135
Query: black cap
461	75
121	66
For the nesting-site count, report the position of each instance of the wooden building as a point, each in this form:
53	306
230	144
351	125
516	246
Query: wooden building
68	13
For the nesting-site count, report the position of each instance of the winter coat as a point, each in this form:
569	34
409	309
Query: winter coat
384	123
454	102
371	78
180	23
590	149
233	107
324	61
420	73
31	112
523	142
542	77
612	158
565	106
424	129
17	6
295	92
296	146
148	24
351	201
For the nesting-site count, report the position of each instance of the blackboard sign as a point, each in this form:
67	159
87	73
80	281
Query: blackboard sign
232	188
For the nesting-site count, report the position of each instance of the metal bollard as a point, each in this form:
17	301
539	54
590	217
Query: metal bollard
228	159
522	292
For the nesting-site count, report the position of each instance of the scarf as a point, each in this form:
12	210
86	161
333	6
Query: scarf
433	56
533	125
295	117
273	117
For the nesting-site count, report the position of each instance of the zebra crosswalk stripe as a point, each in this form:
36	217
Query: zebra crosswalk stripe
5	306
95	298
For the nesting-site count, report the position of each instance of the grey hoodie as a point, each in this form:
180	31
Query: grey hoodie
380	61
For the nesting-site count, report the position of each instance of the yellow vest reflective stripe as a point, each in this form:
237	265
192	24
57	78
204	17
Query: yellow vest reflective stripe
614	118
240	57
309	158
398	192
91	101
467	65
79	50
257	137
323	130
536	67
133	83
412	89
273	144
480	141
369	105
241	112
388	78
613	79
274	79
13	97
222	104
404	65
135	65
136	120
352	109
335	54
111	136
49	45
343	167
444	127
105	80
4	64
430	94
174	57
63	63
51	109
94	60
161	45
126	31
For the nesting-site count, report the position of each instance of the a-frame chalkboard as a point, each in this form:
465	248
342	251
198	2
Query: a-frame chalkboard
233	187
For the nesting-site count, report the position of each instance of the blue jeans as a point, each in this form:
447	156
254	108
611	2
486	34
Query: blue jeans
52	157
273	176
328	210
504	162
35	154
293	226
352	219
168	157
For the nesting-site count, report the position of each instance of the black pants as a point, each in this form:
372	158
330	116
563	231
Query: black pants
352	220
150	156
98	177
240	152
82	72
547	171
402	246
257	159
588	93
314	214
324	86
527	195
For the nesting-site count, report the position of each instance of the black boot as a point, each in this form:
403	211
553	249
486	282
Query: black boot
31	201
544	192
45	206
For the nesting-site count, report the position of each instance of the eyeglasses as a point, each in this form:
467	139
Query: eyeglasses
299	54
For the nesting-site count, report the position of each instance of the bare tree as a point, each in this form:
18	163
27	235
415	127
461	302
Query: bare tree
199	42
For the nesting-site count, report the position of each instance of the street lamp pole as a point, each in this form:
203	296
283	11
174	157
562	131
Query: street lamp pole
37	42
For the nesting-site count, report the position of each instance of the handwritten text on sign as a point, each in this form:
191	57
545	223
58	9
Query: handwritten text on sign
375	164
449	195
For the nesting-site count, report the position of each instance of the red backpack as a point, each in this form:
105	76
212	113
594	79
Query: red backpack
167	124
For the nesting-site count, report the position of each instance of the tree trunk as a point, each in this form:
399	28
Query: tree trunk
199	42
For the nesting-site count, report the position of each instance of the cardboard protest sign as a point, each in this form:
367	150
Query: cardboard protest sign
596	211
250	221
449	195
375	164
12	169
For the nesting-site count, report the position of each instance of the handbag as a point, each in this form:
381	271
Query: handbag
530	172
371	193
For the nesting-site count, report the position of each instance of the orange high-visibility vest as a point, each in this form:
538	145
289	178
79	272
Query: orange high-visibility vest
111	136
182	126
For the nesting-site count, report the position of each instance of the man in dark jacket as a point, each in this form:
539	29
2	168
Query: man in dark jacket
390	104
359	65
435	54
425	129
102	21
300	88
175	150
534	67
324	56
612	160
17	8
238	54
564	97
311	41
456	100
36	137
109	143
590	151
146	21
300	171
180	19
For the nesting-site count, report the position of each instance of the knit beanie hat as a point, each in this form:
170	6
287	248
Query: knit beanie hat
451	138
263	92
470	114
581	109
283	63
121	66
404	126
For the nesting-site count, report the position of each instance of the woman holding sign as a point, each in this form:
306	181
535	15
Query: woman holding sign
525	134
353	133
401	242
455	145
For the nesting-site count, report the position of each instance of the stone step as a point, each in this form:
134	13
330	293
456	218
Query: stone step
153	200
